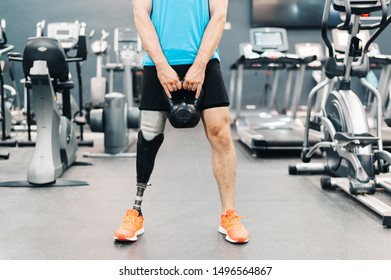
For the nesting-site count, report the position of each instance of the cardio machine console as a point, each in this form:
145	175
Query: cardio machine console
125	38
269	39
360	6
311	49
306	49
341	37
67	33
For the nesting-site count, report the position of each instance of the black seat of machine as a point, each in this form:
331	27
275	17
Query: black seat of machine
359	6
49	50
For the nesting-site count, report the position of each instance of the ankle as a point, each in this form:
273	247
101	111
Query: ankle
225	210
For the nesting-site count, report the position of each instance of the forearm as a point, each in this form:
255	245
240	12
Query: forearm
149	37
142	16
211	39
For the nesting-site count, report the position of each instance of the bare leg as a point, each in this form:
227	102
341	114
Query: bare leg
217	129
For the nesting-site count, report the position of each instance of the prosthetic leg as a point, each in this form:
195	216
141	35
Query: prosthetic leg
149	141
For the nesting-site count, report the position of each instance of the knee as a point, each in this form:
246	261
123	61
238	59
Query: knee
220	136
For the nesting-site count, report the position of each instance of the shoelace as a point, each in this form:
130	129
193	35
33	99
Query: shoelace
233	221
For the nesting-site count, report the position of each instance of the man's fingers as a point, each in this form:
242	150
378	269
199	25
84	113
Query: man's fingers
198	93
166	90
191	86
194	87
185	85
173	86
169	87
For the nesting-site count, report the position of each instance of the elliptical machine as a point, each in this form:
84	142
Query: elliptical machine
351	160
45	66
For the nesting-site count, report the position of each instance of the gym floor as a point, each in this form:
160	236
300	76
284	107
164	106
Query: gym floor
289	217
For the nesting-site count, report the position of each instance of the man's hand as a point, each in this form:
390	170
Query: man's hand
194	79
169	79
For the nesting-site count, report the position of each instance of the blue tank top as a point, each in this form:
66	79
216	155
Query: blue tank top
180	25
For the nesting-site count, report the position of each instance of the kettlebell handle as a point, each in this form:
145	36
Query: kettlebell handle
196	101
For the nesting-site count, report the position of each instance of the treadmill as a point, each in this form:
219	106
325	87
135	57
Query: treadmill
265	129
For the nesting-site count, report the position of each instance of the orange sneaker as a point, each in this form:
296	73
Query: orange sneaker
131	227
230	226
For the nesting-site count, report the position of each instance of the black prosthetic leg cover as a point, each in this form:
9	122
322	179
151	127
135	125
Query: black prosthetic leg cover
146	154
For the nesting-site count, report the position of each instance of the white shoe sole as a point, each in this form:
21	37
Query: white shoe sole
223	231
134	238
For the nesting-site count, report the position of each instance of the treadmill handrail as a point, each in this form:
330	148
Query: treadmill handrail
283	60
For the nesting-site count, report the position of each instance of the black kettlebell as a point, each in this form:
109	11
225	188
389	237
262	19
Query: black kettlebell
183	112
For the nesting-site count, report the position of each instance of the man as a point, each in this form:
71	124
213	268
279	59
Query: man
181	38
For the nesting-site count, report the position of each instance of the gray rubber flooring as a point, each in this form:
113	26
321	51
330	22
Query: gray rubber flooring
289	217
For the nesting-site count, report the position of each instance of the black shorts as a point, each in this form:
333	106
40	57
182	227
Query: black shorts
214	92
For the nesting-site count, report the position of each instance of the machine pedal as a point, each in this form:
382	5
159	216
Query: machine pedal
363	139
80	120
315	125
356	187
387	121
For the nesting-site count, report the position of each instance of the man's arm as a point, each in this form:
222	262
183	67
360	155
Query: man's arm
142	16
210	40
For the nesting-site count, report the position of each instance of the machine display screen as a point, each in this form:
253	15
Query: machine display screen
268	39
290	14
126	35
62	32
66	32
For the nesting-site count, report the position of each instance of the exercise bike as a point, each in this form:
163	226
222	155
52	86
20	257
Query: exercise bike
45	66
5	114
351	160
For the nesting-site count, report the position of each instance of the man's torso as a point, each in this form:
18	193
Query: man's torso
180	25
